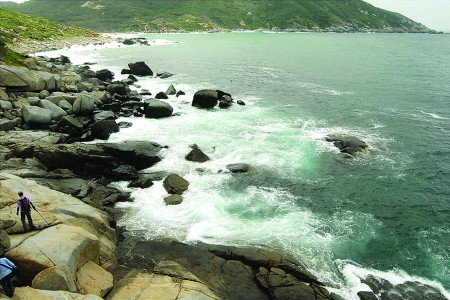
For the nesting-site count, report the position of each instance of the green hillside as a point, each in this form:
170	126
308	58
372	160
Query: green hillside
190	15
15	25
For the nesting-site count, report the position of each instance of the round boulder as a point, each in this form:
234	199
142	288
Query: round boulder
104	74
140	68
157	109
175	184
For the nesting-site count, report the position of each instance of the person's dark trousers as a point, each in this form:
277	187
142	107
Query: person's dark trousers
7	286
30	220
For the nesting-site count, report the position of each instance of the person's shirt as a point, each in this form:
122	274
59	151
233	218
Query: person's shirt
4	271
22	200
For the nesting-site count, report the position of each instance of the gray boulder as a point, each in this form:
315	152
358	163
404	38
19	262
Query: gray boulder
36	115
85	86
70	125
102	129
105	115
117	88
140	68
83	105
3	95
173	200
171	90
64	104
175	184
57	112
5	105
207	98
157	109
6	124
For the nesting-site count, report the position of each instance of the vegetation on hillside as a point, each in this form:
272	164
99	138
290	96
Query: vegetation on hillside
191	15
15	25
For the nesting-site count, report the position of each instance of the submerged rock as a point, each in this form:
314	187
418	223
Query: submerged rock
238	168
173	200
197	155
347	144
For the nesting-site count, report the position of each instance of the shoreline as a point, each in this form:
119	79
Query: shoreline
268	271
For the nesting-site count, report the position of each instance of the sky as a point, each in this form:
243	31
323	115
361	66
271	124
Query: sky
435	14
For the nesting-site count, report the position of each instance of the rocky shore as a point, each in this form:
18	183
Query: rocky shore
48	110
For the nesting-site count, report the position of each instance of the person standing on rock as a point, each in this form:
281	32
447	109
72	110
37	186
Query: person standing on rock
24	205
7	270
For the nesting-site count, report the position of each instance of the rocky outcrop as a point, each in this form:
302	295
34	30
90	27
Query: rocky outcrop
58	278
175	184
347	144
30	293
93	279
140	68
208	98
178	284
76	246
232	273
23	79
90	159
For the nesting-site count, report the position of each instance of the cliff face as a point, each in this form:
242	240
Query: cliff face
188	15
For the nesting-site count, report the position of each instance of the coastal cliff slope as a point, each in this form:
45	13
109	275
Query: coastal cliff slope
194	15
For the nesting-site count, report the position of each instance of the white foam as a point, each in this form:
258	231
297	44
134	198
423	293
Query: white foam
434	116
354	273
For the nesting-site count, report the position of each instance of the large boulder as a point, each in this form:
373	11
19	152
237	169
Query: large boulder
28	293
83	105
36	115
157	109
117	88
347	144
23	79
208	98
58	278
93	279
140	68
104	75
102	129
56	111
75	247
5	105
175	184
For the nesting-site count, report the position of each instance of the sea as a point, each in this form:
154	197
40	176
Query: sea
385	212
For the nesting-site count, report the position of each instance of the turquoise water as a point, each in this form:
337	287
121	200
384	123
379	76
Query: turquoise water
386	210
